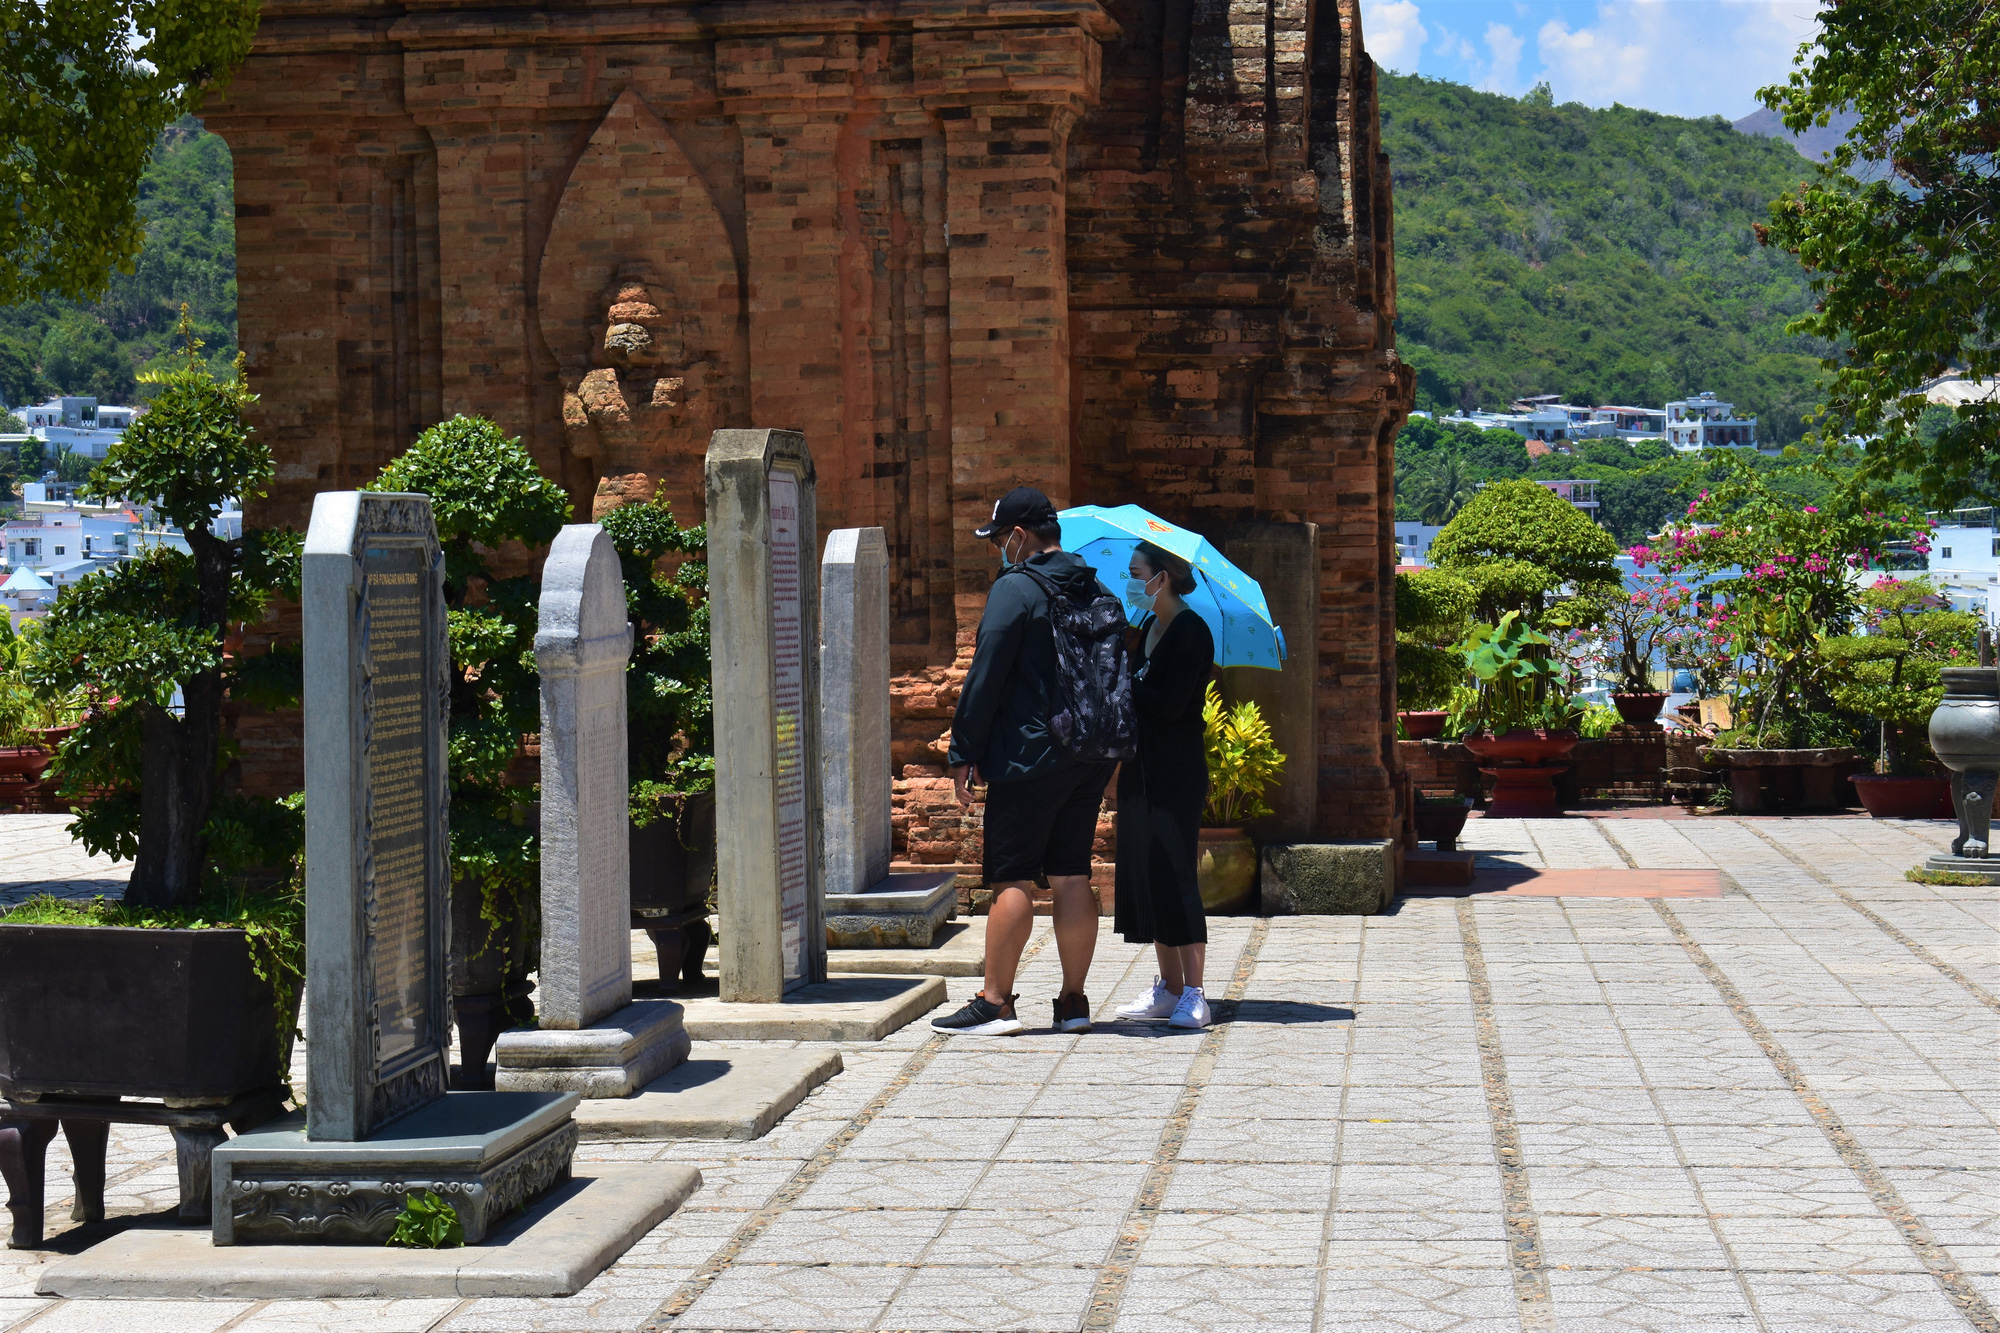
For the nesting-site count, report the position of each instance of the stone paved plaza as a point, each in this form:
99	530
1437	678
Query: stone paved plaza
1772	1109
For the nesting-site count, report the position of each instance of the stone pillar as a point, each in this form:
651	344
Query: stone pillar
377	886
1284	559
377	671
854	708
763	619
590	1037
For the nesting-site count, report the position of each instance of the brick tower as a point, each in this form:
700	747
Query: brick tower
1122	250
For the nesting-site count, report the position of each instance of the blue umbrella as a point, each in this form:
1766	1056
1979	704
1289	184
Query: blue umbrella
1224	596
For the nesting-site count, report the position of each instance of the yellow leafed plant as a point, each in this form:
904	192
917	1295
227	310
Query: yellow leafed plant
1243	760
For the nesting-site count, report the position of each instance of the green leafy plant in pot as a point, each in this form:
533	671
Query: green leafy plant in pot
189	988
1520	720
670	749
1894	674
1243	762
1433	610
486	493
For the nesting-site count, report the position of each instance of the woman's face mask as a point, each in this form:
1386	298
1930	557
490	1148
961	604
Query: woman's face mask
1138	594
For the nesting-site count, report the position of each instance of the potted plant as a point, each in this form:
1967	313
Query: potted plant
486	493
1894	674
1784	585
1433	608
1518	722
189	988
1634	627
1441	818
670	746
1243	760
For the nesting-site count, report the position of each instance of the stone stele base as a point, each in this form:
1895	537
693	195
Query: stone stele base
614	1057
486	1153
843	1008
903	911
1986	867
1328	878
957	949
719	1092
555	1248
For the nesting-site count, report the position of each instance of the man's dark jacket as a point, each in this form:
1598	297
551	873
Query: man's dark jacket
1002	723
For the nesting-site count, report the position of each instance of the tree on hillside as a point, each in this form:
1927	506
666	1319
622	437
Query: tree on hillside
1909	277
1438	492
91	83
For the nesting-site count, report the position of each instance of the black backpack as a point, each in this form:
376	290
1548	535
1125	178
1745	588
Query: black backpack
1094	718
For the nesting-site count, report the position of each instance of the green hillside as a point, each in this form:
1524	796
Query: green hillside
188	202
1603	255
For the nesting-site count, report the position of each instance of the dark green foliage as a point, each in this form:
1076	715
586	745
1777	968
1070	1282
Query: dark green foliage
1517	543
670	730
126	639
1604	255
1433	611
91	83
1904	267
485	490
1893	673
427	1222
187	202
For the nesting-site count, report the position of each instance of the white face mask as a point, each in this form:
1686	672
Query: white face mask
1136	595
1008	561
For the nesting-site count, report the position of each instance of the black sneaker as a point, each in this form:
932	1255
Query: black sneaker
1072	1012
982	1018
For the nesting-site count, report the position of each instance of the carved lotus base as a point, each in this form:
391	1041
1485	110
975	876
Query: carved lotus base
485	1153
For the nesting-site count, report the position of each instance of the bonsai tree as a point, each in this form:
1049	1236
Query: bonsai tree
486	491
1243	760
1433	612
670	737
143	643
1525	549
1893	672
1634	626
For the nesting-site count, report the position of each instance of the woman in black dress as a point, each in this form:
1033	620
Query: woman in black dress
1162	791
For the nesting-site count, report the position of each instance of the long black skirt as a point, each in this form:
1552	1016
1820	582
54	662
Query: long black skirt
1159	841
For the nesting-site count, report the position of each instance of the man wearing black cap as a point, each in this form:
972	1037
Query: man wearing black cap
1041	801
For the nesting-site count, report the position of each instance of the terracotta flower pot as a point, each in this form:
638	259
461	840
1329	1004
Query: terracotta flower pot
1903	798
1226	868
1639	709
1524	771
26	762
1424	724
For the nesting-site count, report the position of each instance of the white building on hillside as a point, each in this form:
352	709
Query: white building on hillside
80	423
1706	422
1965	561
1633	423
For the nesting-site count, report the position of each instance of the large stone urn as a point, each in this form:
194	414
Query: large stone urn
1965	734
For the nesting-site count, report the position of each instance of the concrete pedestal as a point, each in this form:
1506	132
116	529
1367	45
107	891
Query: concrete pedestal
901	911
486	1153
1328	878
1986	867
613	1057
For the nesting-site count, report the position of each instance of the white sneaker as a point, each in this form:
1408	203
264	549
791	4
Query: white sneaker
1155	1003
1191	1011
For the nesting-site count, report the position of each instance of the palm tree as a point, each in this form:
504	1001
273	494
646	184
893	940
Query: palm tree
1439	492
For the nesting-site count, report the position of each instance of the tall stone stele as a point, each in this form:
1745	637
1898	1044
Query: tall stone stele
378	1122
590	1037
866	906
763	600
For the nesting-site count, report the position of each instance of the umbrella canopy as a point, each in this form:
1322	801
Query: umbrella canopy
1224	596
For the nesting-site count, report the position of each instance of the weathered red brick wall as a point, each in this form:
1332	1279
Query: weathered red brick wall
1119	249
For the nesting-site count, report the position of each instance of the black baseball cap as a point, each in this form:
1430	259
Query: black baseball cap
1022	507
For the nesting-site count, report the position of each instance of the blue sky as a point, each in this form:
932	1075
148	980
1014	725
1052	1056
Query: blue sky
1682	57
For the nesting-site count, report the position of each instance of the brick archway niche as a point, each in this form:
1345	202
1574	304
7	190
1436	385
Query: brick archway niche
1122	250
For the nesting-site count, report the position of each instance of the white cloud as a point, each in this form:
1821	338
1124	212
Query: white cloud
1684	57
1503	71
1393	33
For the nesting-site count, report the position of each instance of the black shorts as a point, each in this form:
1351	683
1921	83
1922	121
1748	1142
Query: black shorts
1044	825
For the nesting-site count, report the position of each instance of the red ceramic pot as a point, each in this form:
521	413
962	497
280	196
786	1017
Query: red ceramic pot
1423	725
1524	779
1903	798
1639	709
26	762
